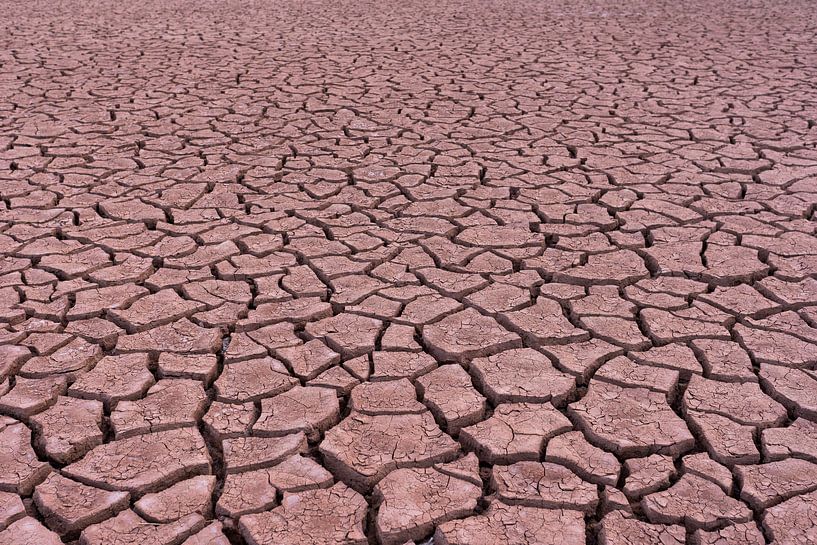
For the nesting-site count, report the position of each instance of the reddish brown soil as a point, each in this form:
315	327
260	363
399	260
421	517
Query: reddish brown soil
514	273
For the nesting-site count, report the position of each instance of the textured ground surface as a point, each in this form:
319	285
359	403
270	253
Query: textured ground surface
515	273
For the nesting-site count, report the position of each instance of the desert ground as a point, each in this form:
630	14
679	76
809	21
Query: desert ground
402	272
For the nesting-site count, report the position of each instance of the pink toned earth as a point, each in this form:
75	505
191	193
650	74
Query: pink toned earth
388	273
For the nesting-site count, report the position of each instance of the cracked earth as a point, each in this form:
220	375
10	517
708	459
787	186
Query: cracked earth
515	273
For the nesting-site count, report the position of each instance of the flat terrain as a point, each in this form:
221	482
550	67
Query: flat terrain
384	273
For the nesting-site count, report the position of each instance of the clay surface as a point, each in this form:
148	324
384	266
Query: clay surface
518	272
